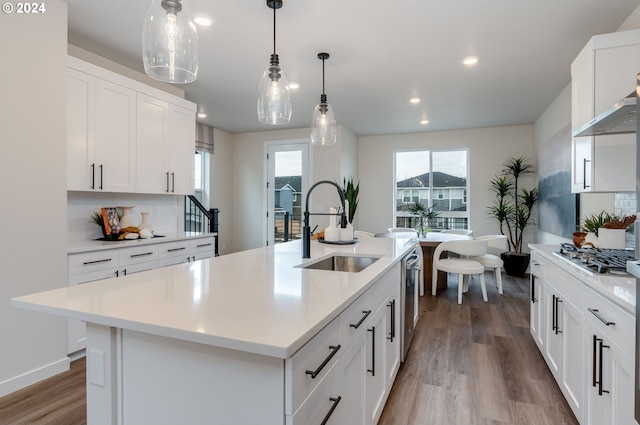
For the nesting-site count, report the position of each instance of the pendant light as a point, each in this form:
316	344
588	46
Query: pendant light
170	42
323	122
274	100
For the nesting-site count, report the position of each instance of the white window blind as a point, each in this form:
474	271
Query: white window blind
204	138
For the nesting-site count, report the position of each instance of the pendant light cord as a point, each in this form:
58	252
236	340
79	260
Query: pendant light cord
274	30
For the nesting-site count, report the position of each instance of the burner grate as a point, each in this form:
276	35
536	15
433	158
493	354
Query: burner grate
598	260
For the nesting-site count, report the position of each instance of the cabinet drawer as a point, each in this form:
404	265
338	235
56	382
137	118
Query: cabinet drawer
93	261
174	249
354	319
318	356
325	401
569	287
537	265
138	254
622	325
76	279
389	282
202	246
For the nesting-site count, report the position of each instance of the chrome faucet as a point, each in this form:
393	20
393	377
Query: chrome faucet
306	231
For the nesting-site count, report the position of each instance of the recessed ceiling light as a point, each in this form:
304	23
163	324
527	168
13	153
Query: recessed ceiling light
294	86
470	60
202	115
424	122
414	100
202	21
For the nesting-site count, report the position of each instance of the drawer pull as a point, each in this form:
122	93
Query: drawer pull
334	404
203	245
314	373
373	351
602	319
366	314
176	249
106	260
141	255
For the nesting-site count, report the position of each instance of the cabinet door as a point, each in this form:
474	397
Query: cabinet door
152	174
80	130
115	137
181	149
351	386
375	385
610	380
553	346
393	338
537	315
572	371
582	103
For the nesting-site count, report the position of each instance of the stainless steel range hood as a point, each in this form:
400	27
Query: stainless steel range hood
618	119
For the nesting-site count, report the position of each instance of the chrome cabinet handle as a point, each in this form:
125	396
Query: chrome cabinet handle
334	404
602	319
314	373
366	314
584	173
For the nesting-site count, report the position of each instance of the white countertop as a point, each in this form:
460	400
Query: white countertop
255	301
619	289
75	247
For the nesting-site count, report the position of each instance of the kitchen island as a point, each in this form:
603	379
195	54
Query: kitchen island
244	338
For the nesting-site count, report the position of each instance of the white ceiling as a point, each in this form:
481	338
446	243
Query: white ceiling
382	53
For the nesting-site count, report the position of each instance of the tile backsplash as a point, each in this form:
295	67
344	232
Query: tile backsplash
625	205
165	212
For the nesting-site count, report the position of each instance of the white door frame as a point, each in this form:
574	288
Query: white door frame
270	148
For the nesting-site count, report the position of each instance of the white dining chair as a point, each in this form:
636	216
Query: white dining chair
463	232
462	266
496	244
362	234
402	230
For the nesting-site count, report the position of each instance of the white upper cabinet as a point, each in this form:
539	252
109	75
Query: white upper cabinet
602	74
101	135
124	136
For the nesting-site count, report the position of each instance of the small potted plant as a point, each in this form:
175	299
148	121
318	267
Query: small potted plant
513	210
605	230
423	212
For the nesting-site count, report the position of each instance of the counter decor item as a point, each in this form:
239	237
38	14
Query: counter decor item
126	220
146	228
513	208
351	191
606	230
578	238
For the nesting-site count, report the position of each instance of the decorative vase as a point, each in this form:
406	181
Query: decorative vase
611	238
126	220
515	263
144	224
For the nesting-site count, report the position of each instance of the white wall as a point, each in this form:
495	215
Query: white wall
248	162
488	149
33	184
221	185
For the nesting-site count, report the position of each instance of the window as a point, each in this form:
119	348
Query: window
437	179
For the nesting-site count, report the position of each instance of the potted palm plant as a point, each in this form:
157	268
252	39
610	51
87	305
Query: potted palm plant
513	210
424	213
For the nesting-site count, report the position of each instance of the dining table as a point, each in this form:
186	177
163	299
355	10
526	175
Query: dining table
428	242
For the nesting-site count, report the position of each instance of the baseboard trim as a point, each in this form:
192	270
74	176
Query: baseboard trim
34	376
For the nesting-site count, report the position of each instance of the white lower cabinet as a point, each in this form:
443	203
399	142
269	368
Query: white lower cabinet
537	315
610	381
110	263
354	374
588	343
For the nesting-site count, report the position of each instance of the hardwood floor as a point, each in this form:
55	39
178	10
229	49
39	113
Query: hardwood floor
476	364
469	364
59	400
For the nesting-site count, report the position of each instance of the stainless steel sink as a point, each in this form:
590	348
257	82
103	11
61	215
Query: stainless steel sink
341	263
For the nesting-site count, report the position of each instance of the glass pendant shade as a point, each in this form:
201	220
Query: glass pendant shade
323	125
274	98
170	42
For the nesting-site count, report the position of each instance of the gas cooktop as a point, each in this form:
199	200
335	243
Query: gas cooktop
596	260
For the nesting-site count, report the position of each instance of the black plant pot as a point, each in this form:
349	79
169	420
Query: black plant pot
515	263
